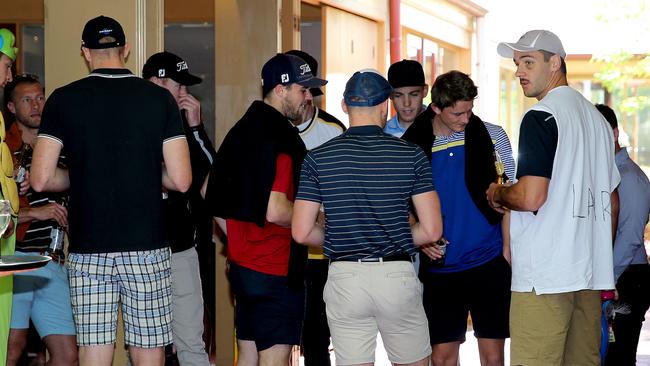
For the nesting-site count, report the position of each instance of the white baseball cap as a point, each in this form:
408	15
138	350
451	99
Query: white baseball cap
534	40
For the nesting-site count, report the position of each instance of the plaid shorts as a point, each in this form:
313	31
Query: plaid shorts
140	281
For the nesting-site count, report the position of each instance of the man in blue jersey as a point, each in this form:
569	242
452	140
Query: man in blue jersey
364	180
475	277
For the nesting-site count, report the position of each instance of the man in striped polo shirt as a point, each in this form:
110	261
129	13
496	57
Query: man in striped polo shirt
364	179
41	296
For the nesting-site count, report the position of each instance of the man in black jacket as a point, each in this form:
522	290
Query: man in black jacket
183	210
252	185
475	277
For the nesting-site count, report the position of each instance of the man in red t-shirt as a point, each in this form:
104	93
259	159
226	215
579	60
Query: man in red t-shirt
252	185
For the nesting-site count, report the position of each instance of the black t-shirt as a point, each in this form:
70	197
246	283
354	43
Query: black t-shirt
187	219
537	144
113	126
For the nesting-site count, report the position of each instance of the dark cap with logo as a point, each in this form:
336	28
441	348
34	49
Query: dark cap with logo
406	73
97	29
313	65
288	69
168	65
366	88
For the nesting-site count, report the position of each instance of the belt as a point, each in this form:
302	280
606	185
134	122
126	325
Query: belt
391	258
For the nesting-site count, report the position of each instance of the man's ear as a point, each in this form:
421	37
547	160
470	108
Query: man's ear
127	49
436	109
425	90
344	106
279	90
556	61
86	52
12	107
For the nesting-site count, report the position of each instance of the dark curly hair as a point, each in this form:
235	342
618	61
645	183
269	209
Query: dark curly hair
451	87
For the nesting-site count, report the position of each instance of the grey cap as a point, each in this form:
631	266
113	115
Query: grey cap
534	40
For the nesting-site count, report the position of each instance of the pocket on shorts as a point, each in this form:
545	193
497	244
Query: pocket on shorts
336	282
404	285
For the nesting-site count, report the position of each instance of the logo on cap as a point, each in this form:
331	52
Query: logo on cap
304	68
161	73
106	31
284	78
181	66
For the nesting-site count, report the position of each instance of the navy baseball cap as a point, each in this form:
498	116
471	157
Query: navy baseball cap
313	65
98	28
366	88
406	73
168	65
288	69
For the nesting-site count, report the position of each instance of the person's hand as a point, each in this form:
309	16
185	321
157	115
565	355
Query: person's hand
23	187
51	211
10	229
191	105
493	195
431	250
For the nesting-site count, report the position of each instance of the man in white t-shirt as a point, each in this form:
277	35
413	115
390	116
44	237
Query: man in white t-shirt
564	205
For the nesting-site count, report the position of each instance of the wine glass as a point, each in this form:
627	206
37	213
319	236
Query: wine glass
499	166
5	219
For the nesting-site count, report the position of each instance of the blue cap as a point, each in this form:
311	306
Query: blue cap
366	88
288	69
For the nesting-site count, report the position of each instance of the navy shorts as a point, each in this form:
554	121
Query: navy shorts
483	292
267	311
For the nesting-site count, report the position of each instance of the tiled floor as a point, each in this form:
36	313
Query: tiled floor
469	350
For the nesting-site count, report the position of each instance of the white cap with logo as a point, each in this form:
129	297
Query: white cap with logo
534	40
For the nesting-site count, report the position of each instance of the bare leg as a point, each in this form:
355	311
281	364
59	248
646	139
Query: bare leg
62	349
247	355
422	362
100	355
147	356
491	351
445	354
278	355
16	345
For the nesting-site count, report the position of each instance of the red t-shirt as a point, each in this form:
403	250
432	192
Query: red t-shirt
264	249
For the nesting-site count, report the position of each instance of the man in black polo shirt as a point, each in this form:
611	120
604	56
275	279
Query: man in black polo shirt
184	212
118	131
364	179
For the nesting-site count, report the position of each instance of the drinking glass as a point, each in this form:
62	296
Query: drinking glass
5	219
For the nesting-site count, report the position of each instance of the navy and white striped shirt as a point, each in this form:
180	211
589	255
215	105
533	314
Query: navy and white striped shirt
364	178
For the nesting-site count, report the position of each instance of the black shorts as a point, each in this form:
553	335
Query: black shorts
483	291
267	311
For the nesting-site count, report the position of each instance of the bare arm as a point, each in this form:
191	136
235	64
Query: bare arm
279	209
44	173
304	226
429	226
528	194
177	171
49	211
615	207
